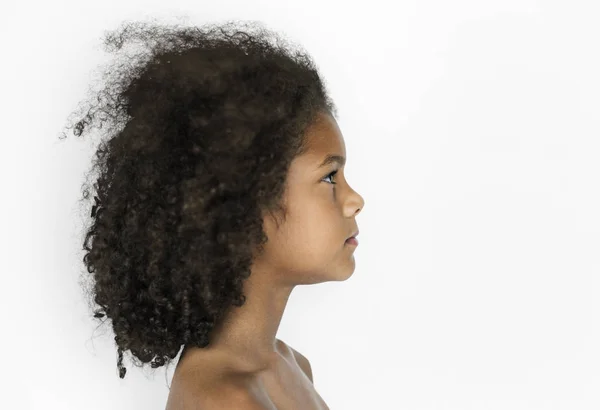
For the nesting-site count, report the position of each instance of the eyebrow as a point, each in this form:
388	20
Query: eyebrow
333	158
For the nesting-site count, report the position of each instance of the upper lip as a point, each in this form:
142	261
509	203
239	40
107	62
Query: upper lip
354	235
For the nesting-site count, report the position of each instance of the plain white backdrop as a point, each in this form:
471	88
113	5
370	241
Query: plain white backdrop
472	133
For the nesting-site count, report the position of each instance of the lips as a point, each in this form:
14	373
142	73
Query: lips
354	235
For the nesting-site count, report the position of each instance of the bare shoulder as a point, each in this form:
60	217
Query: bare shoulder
185	397
302	362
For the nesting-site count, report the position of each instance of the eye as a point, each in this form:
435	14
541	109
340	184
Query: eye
330	175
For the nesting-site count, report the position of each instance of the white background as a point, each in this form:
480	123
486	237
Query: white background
472	133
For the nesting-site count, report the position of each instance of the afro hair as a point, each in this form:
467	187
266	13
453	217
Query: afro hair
200	130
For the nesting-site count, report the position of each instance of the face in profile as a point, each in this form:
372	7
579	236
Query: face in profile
310	246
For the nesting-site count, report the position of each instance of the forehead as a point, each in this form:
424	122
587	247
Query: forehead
324	137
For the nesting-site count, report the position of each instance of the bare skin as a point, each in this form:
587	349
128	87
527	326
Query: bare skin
244	357
286	385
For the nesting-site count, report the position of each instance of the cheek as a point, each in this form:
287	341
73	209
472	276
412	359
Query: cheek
313	229
313	241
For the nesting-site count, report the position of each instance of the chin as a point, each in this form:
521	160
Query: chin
345	271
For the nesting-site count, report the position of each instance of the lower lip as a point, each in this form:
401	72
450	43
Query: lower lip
352	241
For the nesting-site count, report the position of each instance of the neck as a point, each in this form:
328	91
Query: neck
245	339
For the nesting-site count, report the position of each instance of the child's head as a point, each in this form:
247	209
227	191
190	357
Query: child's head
202	132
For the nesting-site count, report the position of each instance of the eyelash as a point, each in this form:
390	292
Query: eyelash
330	175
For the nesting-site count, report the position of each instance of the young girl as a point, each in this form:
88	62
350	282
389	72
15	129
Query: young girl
220	188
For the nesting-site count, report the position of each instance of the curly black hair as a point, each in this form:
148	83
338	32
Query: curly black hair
200	133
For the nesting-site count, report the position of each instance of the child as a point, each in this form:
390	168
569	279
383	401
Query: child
220	189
